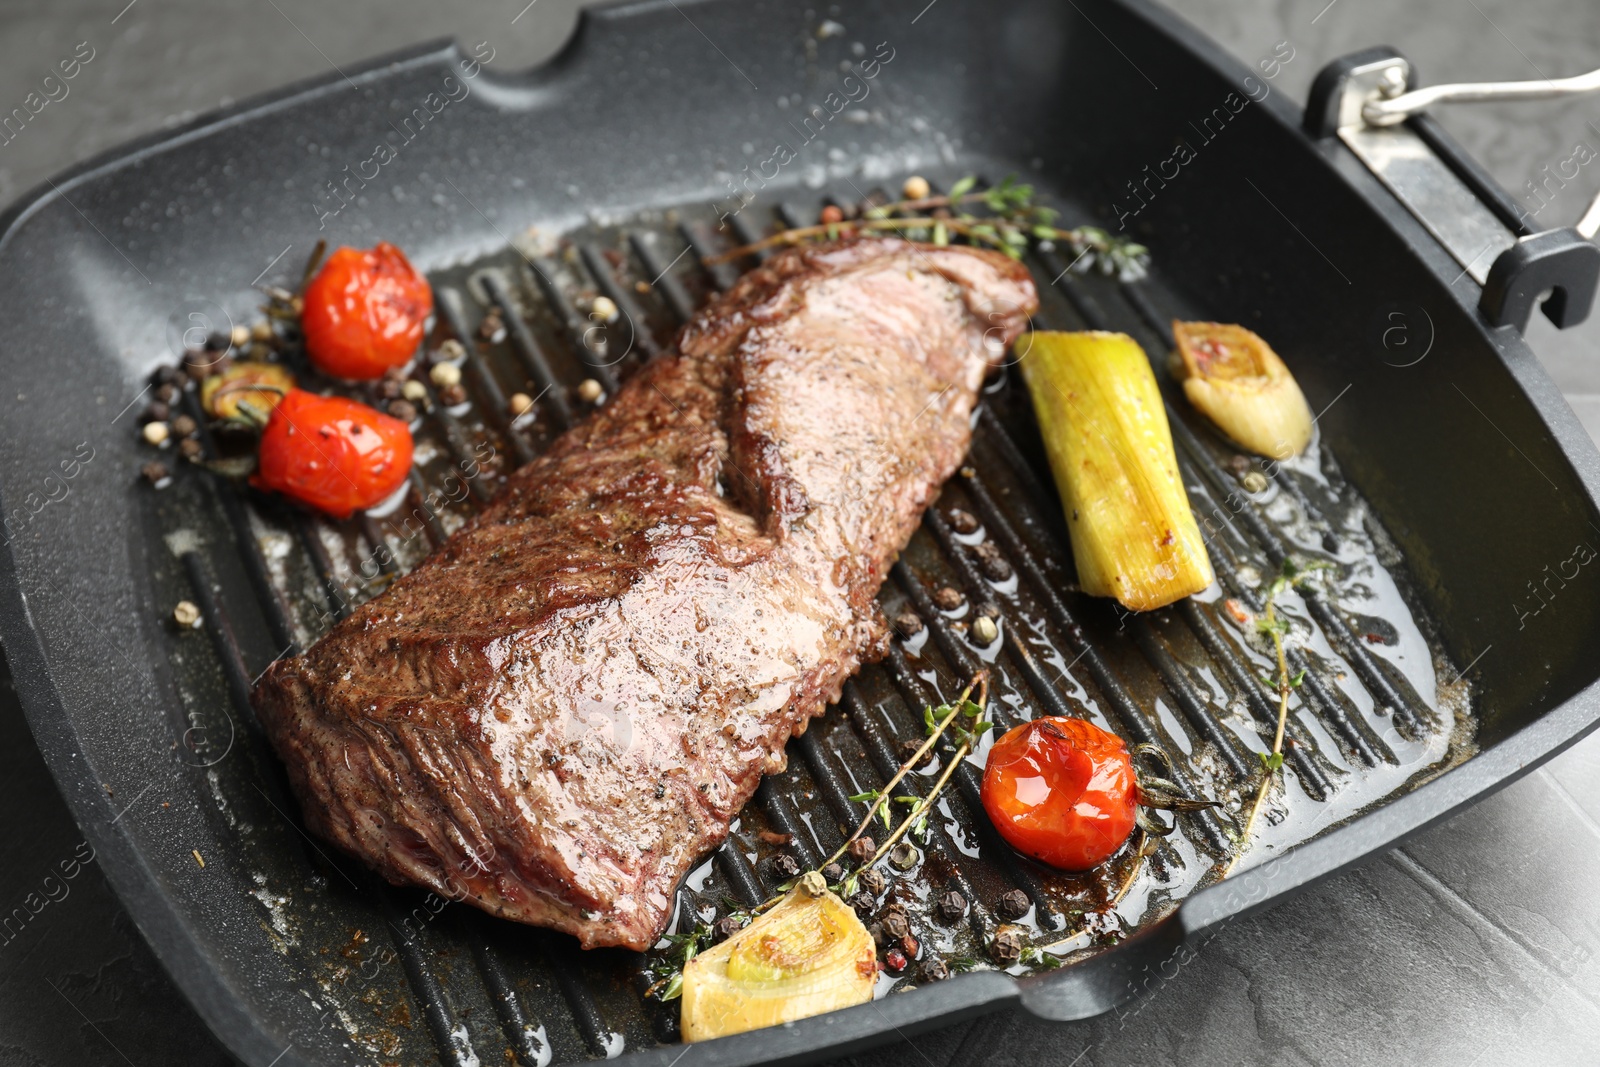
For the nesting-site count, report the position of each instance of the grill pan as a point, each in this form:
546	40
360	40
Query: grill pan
1458	484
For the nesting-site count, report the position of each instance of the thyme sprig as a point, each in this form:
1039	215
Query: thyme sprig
1276	627
668	975
1012	222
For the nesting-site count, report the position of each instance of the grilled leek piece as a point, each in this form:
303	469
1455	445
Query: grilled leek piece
1238	382
1105	430
808	955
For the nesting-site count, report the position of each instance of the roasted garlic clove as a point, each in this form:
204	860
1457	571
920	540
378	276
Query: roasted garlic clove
808	955
1238	382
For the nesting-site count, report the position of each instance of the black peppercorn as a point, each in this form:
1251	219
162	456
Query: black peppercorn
404	410
166	375
952	905
166	393
190	449
908	750
155	473
451	395
389	389
935	970
833	874
1006	948
908	624
863	902
183	426
1013	904
879	937
872	881
963	522
727	926
1239	466
947	598
862	849
994	566
896	923
785	867
156	412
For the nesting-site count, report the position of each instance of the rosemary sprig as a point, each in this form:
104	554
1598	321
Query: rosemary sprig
1012	221
1293	576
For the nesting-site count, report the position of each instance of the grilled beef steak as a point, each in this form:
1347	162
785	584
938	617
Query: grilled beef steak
560	712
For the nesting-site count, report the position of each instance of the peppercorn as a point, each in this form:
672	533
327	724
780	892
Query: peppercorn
863	902
935	970
445	375
896	923
785	867
183	426
833	873
916	187
952	905
963	522
167	374
451	395
1006	948
894	961
994	566
156	412
1013	904
904	856
404	410
604	309
453	350
589	390
1239	465
908	752
908	624
832	215
186	613
1254	482
190	449
872	881
166	393
155	473
414	391
155	433
727	926
262	332
240	336
984	630
948	598
519	404
491	328
389	389
879	937
862	849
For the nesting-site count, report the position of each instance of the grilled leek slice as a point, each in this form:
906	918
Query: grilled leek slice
1105	430
1238	382
808	955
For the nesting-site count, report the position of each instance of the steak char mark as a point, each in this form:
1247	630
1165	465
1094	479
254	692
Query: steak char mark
560	712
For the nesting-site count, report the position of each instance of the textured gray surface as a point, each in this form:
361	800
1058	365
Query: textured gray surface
1475	944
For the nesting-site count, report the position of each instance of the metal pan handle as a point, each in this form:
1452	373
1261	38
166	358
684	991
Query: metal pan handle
1369	102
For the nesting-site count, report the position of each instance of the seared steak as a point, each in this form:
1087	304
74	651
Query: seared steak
561	711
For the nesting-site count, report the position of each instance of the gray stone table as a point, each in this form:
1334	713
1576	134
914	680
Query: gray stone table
1475	944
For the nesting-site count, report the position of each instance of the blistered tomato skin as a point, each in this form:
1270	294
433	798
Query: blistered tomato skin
365	312
331	453
1062	791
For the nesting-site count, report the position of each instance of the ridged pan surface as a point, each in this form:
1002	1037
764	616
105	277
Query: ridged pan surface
292	951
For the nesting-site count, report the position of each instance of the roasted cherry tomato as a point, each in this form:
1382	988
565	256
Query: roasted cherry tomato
1062	791
332	453
364	312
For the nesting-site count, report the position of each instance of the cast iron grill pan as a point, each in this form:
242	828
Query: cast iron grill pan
1185	679
304	957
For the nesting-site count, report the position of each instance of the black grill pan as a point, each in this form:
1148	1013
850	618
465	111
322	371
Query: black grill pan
1462	475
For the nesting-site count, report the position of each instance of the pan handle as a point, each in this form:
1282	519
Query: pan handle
1368	101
